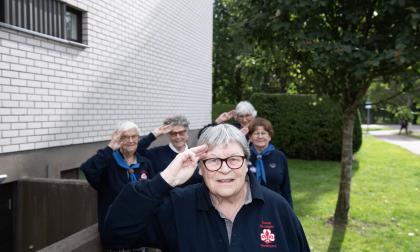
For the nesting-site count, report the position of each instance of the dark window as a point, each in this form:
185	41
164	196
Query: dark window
50	17
73	22
2	11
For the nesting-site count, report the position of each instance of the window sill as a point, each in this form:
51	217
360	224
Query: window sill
72	43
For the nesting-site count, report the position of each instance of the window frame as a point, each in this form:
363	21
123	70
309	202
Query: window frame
45	18
79	27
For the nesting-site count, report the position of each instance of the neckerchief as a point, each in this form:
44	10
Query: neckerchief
130	168
259	165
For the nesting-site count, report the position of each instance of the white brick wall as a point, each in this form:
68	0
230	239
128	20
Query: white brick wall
145	60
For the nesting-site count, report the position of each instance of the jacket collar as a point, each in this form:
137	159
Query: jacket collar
203	194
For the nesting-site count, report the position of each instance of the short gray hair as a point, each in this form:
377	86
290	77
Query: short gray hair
128	125
177	120
245	107
223	134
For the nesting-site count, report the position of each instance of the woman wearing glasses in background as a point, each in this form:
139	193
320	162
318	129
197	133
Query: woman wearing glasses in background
111	168
162	156
229	211
266	162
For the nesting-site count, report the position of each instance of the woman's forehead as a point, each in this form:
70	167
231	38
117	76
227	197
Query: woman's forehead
131	131
177	128
225	149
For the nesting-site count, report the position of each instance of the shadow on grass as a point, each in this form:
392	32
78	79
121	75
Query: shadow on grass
310	180
337	238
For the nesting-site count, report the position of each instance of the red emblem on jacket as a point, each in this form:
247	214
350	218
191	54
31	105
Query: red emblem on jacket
267	236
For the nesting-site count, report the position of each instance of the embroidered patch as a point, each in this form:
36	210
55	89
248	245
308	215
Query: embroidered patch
143	175
272	165
253	169
267	235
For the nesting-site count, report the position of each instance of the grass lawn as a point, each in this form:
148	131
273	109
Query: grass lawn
384	204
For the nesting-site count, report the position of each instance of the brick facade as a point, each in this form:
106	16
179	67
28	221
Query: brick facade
139	61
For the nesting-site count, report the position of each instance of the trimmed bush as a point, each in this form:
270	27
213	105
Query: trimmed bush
220	108
305	127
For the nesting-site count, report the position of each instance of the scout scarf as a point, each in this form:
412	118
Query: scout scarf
130	168
259	165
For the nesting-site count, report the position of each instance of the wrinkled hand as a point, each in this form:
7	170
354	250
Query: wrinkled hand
183	166
225	116
163	129
245	130
115	142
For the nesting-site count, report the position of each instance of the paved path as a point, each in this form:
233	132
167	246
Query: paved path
391	136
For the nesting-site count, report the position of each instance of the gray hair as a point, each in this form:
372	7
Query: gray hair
223	134
128	125
177	120
245	107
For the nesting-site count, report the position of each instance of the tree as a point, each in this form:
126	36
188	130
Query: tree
241	67
341	47
388	97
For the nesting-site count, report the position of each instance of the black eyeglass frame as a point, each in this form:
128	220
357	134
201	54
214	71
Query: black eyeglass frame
221	163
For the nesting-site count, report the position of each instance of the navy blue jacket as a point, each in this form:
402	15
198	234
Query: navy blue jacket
152	213
276	172
108	178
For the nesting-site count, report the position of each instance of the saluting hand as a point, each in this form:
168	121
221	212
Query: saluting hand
115	142
183	166
163	129
225	116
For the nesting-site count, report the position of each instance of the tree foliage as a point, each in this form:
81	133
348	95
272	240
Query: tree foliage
242	67
340	48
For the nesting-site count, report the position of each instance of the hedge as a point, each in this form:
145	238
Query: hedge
305	127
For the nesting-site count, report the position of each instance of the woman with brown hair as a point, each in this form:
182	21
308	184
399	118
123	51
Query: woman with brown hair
266	162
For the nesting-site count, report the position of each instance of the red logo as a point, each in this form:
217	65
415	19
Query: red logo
267	236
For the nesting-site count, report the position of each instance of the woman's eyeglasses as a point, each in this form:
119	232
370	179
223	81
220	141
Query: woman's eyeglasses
180	133
134	138
233	162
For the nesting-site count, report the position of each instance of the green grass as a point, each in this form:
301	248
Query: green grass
384	204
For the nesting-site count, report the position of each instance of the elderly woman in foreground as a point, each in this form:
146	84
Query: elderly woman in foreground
229	211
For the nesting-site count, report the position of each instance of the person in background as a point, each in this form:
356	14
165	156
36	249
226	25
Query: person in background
243	115
111	168
404	125
229	211
162	156
266	162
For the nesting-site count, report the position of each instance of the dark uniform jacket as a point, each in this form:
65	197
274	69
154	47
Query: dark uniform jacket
108	178
276	172
161	157
152	213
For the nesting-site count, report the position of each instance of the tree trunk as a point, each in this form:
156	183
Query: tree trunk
343	201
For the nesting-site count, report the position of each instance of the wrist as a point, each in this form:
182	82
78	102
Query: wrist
113	146
168	178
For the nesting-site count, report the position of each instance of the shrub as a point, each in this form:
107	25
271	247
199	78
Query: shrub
220	108
305	127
